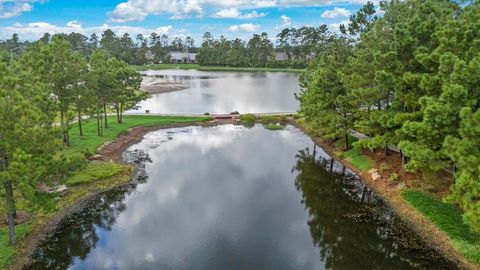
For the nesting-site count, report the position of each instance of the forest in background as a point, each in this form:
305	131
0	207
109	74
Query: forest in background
294	48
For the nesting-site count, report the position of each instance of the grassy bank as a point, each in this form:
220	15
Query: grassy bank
214	68
448	218
90	179
90	141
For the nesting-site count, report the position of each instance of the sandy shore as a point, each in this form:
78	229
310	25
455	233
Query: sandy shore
154	85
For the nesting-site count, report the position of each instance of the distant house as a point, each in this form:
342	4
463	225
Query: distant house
310	57
281	56
149	55
182	57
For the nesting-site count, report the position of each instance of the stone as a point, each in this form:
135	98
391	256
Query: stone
376	176
61	189
96	157
372	171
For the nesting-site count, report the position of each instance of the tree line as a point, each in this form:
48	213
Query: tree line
294	49
136	50
297	47
410	78
42	93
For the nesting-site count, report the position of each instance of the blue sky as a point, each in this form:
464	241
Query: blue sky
232	18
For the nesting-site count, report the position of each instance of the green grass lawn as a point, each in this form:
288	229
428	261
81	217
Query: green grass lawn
214	68
90	141
7	251
95	172
448	218
358	159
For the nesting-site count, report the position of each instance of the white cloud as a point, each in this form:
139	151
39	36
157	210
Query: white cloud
234	13
13	8
335	13
285	21
35	30
335	27
137	10
246	27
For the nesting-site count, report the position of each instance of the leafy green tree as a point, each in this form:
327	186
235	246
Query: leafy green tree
27	136
465	152
128	93
325	101
58	66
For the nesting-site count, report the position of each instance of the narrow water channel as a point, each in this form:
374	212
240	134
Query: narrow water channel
231	197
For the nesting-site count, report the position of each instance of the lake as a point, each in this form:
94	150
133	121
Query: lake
232	197
224	92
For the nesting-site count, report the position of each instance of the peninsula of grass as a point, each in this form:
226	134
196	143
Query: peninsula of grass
448	218
274	127
214	68
90	141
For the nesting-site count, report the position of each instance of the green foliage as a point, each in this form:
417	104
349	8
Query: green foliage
449	219
274	127
248	119
408	78
394	177
95	172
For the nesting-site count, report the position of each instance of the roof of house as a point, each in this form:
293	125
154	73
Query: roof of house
182	55
281	56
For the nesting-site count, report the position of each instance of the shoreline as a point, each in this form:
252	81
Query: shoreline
214	68
113	152
419	223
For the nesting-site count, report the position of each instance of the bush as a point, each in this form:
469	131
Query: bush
268	119
248	118
207	113
274	127
235	113
394	177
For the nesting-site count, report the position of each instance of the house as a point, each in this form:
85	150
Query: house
281	56
182	57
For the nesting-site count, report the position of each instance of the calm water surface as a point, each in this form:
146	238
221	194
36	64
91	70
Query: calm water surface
225	92
230	197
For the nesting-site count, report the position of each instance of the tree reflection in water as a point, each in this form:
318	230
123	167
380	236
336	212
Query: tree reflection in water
77	235
352	227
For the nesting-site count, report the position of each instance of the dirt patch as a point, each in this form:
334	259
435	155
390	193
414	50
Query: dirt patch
113	151
391	193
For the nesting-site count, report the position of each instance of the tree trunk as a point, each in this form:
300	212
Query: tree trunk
385	149
62	124
121	113
105	113
11	211
99	116
347	145
404	159
118	113
80	122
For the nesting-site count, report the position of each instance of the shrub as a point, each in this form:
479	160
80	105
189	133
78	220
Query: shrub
248	118
274	127
394	177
